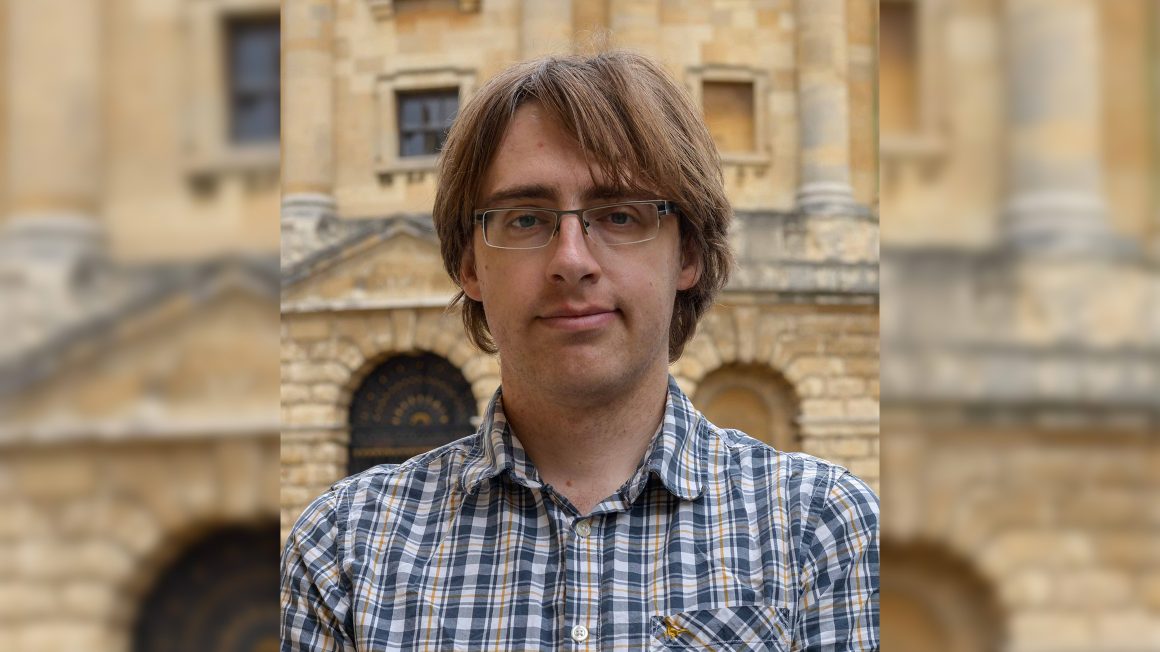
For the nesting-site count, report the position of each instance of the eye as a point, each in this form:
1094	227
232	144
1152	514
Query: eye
525	221
618	217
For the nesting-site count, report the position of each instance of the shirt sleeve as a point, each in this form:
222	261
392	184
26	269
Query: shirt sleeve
314	596
838	599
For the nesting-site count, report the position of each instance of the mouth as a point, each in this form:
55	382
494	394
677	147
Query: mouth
581	319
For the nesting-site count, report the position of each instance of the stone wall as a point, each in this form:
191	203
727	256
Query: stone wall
340	156
1059	525
829	356
86	529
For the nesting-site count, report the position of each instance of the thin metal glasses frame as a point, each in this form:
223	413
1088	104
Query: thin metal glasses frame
664	207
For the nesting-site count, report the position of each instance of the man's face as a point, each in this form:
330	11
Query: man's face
577	319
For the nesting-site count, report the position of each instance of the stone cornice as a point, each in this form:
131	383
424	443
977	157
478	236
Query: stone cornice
825	259
145	288
985	334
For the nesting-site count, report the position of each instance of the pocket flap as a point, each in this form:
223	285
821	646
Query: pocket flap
743	627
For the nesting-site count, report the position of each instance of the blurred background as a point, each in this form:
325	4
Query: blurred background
139	325
1020	324
1012	147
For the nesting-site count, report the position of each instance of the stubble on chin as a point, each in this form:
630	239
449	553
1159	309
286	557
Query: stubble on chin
584	381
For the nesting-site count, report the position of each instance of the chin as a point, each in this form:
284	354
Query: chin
601	377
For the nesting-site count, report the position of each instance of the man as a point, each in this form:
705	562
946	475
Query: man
581	210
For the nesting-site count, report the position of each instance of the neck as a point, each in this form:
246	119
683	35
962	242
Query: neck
586	448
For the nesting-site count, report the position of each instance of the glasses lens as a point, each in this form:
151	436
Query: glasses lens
518	228
623	223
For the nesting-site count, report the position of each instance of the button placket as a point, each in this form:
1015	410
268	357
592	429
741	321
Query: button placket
582	607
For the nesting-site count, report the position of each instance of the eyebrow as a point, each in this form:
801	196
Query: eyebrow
544	192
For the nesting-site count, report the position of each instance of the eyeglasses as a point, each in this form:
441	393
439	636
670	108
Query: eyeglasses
613	224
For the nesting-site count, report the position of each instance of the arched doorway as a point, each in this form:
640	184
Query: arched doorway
754	399
221	594
407	405
932	600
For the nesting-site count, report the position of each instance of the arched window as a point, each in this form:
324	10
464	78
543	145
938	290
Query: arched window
753	399
408	405
221	594
933	600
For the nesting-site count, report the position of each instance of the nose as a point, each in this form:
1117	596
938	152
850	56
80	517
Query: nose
572	261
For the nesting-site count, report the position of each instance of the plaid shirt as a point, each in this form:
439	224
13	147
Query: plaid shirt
716	542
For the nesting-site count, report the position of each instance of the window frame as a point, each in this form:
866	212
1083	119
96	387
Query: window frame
387	90
208	148
697	77
234	88
422	95
927	139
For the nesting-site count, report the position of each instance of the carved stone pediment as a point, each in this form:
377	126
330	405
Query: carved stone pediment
194	364
398	264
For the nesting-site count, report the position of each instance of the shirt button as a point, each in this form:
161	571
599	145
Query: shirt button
583	528
579	633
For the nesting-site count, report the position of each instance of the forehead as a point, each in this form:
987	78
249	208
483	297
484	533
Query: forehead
534	151
538	159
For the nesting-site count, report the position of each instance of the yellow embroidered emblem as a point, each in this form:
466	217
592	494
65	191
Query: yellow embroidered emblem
672	630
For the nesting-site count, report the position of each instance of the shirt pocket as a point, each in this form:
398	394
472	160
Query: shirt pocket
743	627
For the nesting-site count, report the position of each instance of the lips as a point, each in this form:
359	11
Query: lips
579	318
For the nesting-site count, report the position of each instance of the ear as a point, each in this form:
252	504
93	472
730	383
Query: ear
690	266
468	279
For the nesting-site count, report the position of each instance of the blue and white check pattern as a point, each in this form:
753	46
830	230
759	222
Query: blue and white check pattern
716	542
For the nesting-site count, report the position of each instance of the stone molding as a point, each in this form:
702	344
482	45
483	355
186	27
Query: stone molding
385	9
828	258
1022	338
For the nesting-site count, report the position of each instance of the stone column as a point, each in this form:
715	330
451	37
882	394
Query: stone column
545	28
823	108
51	236
307	144
1056	201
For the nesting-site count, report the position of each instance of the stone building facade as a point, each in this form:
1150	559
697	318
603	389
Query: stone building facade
1021	325
790	352
138	325
375	367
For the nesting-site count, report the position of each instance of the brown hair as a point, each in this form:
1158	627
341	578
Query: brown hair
634	124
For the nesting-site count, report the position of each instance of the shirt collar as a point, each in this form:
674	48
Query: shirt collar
676	455
496	450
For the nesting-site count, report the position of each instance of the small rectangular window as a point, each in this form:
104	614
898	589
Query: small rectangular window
898	68
253	72
424	119
729	115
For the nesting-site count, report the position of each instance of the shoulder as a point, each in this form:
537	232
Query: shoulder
805	489
734	452
374	500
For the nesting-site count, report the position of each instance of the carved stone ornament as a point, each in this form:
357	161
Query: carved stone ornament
384	9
